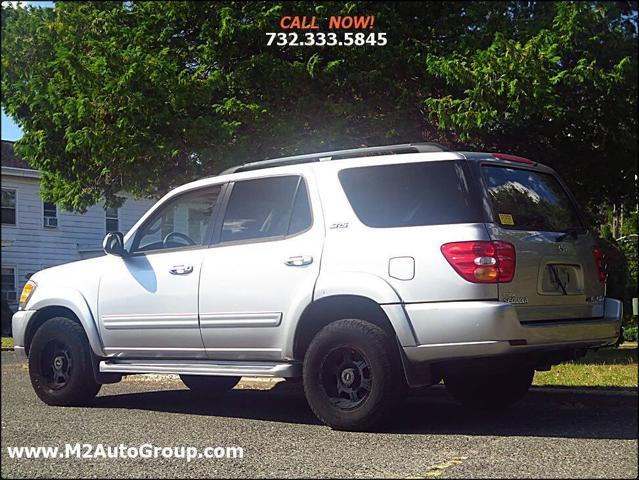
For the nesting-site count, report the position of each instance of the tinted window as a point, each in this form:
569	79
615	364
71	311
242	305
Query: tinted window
182	222
301	218
410	194
528	200
259	208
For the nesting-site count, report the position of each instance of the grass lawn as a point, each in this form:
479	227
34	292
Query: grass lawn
7	342
608	367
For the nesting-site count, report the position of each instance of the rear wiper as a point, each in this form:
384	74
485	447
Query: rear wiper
558	281
571	232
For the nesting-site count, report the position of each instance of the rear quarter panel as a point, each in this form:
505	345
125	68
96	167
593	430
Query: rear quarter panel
351	246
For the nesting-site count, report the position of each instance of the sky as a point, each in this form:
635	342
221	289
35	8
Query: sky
11	131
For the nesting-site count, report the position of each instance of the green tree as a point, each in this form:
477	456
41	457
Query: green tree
143	96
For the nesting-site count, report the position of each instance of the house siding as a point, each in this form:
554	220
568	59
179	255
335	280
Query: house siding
29	246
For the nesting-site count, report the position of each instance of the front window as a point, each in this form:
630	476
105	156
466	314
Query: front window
529	200
8	281
112	220
410	194
8	206
183	222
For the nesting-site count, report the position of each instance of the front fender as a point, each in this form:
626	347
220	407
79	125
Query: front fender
51	296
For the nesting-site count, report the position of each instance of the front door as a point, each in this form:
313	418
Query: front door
148	305
261	271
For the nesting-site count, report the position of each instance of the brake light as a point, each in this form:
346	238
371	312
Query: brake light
599	262
513	158
482	261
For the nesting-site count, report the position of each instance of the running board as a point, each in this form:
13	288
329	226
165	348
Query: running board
239	369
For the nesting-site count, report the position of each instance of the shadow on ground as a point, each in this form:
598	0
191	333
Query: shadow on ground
543	412
609	356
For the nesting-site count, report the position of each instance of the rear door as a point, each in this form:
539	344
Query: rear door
261	270
556	275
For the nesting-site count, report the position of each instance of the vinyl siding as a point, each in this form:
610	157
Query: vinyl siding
33	247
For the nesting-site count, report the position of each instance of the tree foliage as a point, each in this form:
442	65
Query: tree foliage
143	96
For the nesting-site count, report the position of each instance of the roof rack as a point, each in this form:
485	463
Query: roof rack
339	154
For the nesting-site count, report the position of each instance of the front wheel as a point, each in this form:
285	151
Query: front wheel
209	385
490	391
351	374
60	364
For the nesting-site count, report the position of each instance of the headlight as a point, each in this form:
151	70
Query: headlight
27	291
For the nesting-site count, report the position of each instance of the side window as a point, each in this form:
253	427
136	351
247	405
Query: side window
301	217
259	208
183	222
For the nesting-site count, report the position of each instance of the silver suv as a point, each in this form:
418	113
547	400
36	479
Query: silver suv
363	272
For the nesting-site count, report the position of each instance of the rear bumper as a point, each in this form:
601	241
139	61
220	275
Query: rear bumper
456	330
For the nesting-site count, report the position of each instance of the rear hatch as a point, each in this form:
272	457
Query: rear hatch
556	275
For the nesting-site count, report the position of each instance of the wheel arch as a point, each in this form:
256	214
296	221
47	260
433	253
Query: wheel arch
326	310
62	302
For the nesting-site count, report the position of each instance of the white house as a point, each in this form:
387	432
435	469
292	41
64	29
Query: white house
37	234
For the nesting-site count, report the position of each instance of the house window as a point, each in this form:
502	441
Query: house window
8	206
50	215
9	284
112	222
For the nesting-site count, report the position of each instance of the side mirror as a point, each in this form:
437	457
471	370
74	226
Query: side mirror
113	244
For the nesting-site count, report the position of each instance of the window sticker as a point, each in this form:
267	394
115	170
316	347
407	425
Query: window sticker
506	219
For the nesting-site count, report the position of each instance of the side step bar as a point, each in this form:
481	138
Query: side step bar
191	367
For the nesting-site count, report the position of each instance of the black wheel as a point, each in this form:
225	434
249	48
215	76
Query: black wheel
352	375
209	385
490	391
60	364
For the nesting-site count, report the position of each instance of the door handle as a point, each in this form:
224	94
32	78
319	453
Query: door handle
181	269
299	260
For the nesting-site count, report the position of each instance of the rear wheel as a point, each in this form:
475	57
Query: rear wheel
60	364
352	375
209	385
490	391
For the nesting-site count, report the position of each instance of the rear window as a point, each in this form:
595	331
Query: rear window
410	194
529	200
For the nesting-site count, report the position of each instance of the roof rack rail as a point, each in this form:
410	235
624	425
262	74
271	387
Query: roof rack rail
339	154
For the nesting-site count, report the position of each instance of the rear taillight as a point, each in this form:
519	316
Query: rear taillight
482	261
599	262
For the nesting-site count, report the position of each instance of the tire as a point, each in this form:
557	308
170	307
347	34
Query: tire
352	375
209	385
60	364
490	391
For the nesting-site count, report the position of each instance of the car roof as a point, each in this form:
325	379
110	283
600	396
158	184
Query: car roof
368	156
350	160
